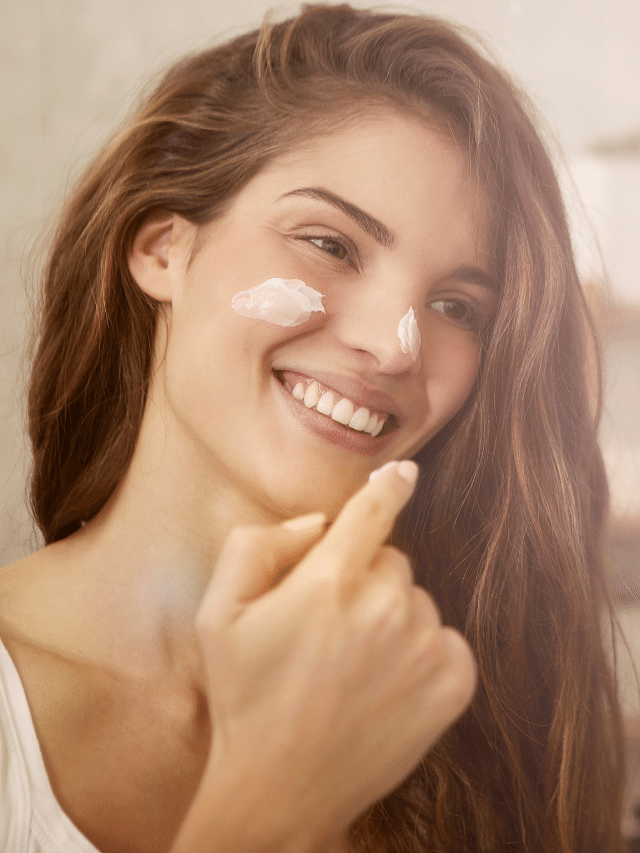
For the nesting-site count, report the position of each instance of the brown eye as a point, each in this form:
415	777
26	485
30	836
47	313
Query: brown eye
331	247
457	310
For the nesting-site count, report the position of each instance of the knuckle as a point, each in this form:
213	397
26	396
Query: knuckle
386	608
395	556
396	603
425	607
460	691
462	672
397	564
433	646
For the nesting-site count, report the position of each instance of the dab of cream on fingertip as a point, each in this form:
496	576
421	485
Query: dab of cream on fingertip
409	334
279	301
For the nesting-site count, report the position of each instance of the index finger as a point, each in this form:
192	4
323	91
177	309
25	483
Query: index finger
366	520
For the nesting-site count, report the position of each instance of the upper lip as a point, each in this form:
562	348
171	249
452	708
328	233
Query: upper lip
359	392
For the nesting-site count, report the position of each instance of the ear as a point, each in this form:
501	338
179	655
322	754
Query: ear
160	254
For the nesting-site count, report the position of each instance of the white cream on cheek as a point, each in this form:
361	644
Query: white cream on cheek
279	301
290	302
409	334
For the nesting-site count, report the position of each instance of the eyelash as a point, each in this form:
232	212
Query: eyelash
474	319
351	257
475	316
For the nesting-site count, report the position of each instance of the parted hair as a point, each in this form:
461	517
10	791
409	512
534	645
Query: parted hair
505	527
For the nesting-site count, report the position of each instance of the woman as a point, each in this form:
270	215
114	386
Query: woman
322	247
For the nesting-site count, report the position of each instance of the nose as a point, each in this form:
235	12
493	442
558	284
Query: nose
384	333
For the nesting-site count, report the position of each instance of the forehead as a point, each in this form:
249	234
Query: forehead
379	137
408	172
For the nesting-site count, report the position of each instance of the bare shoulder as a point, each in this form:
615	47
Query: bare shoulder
19	584
41	628
34	597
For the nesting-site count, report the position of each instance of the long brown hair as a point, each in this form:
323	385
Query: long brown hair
505	528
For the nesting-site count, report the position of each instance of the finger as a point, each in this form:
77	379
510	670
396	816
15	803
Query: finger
365	522
252	559
389	587
392	566
424	610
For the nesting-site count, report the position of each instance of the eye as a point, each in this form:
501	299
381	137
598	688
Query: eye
330	247
334	247
465	314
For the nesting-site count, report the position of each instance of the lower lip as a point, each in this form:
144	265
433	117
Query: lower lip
333	432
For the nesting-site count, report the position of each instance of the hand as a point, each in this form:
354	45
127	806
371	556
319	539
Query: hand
328	681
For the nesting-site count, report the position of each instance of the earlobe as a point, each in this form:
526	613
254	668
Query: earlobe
159	252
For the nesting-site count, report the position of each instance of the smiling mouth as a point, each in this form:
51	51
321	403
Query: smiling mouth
324	400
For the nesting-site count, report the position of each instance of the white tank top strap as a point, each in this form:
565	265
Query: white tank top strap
31	819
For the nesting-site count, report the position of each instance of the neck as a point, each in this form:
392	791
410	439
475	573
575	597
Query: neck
149	555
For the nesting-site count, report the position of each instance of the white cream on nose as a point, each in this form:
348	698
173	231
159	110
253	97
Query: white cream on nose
279	301
409	334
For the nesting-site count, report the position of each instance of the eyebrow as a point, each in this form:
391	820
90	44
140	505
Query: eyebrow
369	224
383	235
474	275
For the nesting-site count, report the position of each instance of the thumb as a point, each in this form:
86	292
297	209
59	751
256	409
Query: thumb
253	560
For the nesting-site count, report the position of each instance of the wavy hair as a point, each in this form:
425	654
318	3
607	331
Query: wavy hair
505	527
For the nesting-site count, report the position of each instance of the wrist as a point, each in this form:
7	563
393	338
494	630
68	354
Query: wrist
235	812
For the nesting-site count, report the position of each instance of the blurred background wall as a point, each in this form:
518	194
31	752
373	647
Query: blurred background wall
69	70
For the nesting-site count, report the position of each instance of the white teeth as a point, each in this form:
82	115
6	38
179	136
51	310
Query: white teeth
326	403
312	395
343	411
360	419
372	423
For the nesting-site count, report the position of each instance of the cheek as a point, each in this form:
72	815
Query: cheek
451	374
201	355
215	359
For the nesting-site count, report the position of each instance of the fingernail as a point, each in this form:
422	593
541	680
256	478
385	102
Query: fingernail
406	469
304	522
384	467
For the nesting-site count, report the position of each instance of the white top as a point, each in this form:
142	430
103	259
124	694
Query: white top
31	819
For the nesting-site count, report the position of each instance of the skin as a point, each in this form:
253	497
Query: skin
121	676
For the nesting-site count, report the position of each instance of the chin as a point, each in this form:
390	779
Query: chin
323	491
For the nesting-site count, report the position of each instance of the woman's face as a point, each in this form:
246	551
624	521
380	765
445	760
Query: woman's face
378	218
